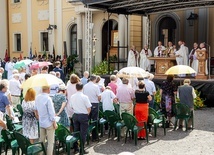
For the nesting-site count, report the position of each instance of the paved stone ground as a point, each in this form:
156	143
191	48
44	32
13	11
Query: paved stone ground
199	141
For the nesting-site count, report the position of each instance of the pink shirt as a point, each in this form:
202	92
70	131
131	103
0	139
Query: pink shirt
125	94
113	87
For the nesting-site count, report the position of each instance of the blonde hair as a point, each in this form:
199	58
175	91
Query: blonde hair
44	88
30	95
98	79
113	77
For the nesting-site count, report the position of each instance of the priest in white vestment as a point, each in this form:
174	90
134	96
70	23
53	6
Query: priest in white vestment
186	62
133	58
170	50
193	61
144	61
181	54
10	69
159	49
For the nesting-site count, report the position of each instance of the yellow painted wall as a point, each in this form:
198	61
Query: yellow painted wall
3	29
136	32
20	27
38	25
69	16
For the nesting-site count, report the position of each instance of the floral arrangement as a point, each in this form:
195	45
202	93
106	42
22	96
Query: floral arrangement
198	101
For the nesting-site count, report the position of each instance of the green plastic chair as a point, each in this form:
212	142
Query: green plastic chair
10	141
61	135
182	111
112	118
12	126
19	107
117	108
155	119
114	122
100	106
1	142
93	125
28	148
102	121
132	125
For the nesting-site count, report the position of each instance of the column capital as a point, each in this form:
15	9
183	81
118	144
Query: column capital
79	13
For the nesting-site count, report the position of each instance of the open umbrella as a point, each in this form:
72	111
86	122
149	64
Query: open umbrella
40	64
22	63
40	80
129	72
19	65
180	69
26	61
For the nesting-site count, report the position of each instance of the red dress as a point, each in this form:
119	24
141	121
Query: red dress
141	110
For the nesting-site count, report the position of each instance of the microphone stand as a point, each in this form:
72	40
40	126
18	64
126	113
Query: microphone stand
208	60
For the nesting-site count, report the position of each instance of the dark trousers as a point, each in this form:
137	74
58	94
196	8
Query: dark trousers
80	122
94	116
151	103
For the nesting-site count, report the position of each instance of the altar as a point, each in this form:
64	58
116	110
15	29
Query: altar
162	64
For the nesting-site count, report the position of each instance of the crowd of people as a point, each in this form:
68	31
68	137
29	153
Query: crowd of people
77	101
182	54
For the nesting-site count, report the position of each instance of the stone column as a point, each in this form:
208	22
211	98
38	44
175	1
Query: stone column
29	26
121	33
79	32
59	40
51	21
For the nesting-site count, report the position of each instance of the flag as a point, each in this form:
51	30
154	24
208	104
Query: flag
6	56
31	55
35	53
65	56
20	57
65	51
54	53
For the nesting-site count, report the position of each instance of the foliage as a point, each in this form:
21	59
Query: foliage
157	96
198	101
71	60
113	58
102	68
69	64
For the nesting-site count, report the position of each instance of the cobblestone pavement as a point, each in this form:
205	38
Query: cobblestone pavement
199	141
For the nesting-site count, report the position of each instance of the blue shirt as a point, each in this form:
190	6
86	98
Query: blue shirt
62	76
3	101
45	108
150	86
84	80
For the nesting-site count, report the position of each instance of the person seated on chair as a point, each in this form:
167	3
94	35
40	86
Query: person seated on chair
186	94
142	106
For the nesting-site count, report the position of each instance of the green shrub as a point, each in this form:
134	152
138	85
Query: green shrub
102	68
